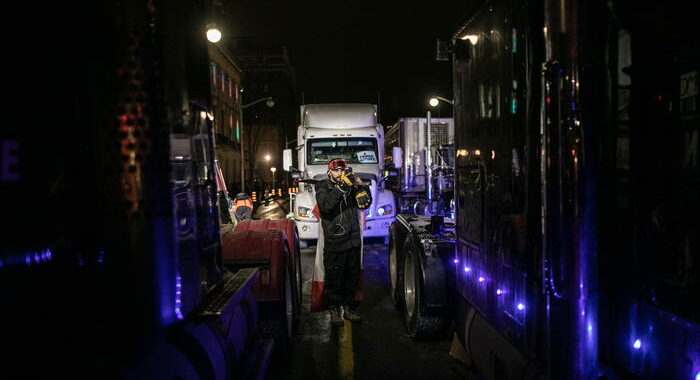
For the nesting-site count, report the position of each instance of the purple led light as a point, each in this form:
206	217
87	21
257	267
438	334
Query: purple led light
178	297
456	261
467	269
481	279
499	291
637	344
697	376
521	307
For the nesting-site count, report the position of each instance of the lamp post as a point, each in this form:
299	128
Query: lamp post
267	163
273	170
270	103
435	101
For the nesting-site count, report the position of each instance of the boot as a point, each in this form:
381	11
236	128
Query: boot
336	320
351	315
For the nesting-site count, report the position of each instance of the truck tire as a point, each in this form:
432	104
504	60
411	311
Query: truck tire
277	318
274	289
419	324
395	264
287	226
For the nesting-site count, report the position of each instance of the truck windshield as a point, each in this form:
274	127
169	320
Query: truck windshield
355	150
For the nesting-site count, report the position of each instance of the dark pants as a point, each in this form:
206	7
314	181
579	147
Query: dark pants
342	272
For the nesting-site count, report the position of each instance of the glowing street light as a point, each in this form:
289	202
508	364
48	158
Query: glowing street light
273	170
213	34
434	101
267	158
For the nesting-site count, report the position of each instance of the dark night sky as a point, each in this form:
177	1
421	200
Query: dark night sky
347	51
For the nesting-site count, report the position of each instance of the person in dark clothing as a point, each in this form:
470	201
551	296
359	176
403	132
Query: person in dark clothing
339	197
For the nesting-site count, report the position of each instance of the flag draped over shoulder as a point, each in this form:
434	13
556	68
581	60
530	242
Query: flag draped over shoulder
318	277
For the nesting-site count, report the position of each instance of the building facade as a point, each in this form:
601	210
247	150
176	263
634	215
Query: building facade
226	78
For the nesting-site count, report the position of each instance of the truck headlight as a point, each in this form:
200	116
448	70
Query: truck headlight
385	210
305	212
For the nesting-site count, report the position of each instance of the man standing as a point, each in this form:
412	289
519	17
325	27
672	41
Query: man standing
339	197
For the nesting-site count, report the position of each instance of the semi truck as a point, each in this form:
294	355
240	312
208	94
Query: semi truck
111	254
573	253
350	131
422	152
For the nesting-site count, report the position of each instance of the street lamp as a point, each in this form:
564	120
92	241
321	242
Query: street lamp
267	163
435	100
273	170
213	34
270	103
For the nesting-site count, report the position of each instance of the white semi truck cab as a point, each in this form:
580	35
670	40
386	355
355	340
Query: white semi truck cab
350	131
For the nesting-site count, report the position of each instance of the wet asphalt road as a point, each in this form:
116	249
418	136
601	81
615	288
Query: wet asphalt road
378	348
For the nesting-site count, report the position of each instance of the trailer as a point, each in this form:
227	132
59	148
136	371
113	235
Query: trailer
576	193
558	196
422	149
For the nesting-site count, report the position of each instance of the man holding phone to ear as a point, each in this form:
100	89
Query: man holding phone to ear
339	197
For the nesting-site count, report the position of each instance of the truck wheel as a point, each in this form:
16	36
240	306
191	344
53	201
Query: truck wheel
277	318
300	276
418	324
290	230
395	268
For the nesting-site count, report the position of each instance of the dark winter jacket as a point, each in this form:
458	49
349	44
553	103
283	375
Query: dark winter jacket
339	215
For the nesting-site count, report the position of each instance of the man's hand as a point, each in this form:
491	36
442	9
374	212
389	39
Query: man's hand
346	180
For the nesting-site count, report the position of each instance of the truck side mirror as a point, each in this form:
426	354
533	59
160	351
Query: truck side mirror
287	160
397	157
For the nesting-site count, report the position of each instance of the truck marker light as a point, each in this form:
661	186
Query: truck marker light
637	344
178	297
